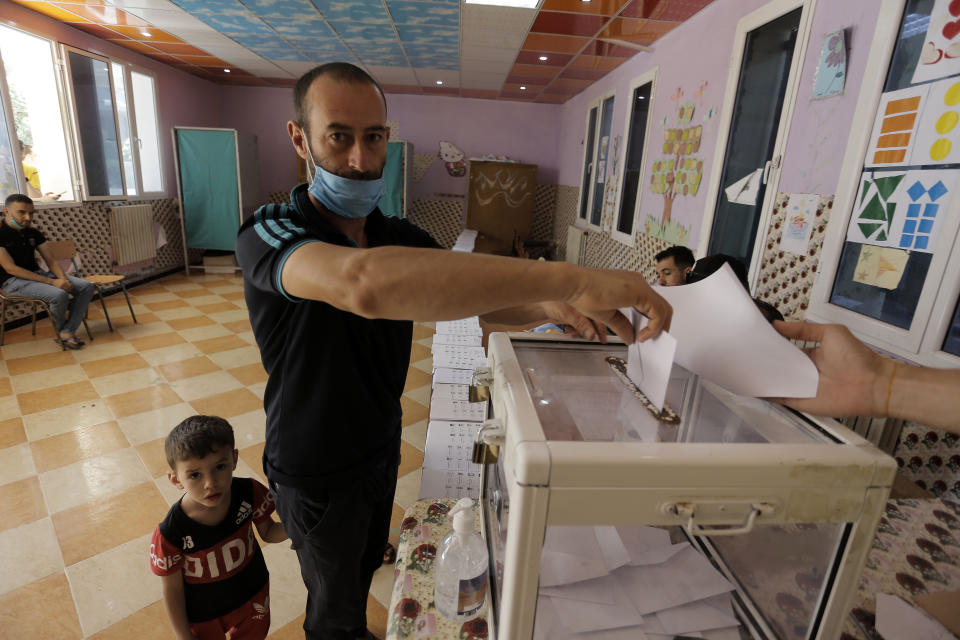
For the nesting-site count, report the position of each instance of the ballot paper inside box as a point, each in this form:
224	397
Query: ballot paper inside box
604	523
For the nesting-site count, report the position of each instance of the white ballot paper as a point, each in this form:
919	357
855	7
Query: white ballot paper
649	363
455	356
714	612
722	336
597	590
466	326
746	189
592	616
449	446
437	483
446	375
572	554
684	578
463	339
466	241
548	626
446	409
444	391
897	620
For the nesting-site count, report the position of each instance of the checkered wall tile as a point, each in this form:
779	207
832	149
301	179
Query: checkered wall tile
440	218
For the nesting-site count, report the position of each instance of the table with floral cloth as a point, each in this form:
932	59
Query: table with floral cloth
412	613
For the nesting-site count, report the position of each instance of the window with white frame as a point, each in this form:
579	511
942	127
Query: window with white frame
638	123
596	160
135	93
890	268
34	151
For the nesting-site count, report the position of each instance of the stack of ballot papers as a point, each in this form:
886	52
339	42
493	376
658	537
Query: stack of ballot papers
619	583
454	420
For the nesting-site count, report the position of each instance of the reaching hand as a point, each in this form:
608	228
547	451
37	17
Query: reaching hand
577	323
601	293
64	284
853	378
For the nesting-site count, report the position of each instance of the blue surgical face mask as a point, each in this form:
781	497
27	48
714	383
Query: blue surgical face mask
345	197
16	225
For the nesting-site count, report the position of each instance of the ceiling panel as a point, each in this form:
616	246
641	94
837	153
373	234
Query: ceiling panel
478	51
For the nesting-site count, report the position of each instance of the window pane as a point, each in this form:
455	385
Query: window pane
31	79
602	165
631	176
865	291
913	34
8	171
99	146
952	342
123	119
587	163
145	108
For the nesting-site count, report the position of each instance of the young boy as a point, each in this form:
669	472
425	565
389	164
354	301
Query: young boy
214	578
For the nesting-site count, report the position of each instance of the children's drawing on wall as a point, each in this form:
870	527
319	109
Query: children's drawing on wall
832	69
902	209
452	159
678	173
895	127
880	266
798	224
940	56
710	113
610	185
422	162
938	136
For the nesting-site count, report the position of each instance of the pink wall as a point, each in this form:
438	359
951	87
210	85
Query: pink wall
698	51
522	132
818	134
182	99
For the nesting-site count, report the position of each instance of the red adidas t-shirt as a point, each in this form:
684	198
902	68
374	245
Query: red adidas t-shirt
222	564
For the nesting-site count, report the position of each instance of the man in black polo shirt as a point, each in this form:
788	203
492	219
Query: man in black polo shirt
332	286
20	275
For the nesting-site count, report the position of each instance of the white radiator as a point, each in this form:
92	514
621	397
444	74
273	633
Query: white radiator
131	234
576	245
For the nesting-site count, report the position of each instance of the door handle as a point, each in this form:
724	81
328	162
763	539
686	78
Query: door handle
766	171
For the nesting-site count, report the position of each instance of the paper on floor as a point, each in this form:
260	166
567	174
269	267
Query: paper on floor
722	336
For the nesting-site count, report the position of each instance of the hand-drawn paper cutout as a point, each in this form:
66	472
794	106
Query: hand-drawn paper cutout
880	266
832	70
800	214
903	209
895	127
746	189
940	56
937	139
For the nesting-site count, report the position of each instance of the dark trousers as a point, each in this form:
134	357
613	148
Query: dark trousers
339	535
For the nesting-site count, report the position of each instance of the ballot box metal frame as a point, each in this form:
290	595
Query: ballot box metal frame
844	479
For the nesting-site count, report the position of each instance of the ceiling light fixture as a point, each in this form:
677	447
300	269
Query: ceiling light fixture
439	81
543	58
519	4
226	70
522	88
145	33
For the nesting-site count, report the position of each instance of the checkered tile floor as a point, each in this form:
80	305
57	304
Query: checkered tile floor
82	470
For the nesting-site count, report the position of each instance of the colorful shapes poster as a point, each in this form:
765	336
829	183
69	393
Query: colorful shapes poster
880	266
832	69
895	128
800	213
902	209
940	56
937	140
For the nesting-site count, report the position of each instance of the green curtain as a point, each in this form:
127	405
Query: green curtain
391	204
208	180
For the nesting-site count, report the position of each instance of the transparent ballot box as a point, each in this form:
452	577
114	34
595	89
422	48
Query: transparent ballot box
740	519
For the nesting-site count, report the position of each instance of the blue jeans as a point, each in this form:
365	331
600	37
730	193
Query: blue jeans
60	301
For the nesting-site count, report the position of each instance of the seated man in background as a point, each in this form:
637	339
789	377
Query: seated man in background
673	264
20	275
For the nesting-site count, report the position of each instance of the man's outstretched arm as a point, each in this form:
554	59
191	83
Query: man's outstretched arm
429	284
856	381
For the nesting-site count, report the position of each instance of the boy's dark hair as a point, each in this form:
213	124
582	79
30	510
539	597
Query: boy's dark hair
341	71
710	264
17	197
769	311
682	256
196	437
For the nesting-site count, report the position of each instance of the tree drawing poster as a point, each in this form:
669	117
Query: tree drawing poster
940	56
902	209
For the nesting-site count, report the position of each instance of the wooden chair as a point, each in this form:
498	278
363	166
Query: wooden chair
8	299
65	249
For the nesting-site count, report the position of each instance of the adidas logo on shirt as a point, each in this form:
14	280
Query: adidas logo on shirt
244	511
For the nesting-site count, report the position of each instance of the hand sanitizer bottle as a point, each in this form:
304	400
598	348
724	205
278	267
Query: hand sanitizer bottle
462	562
